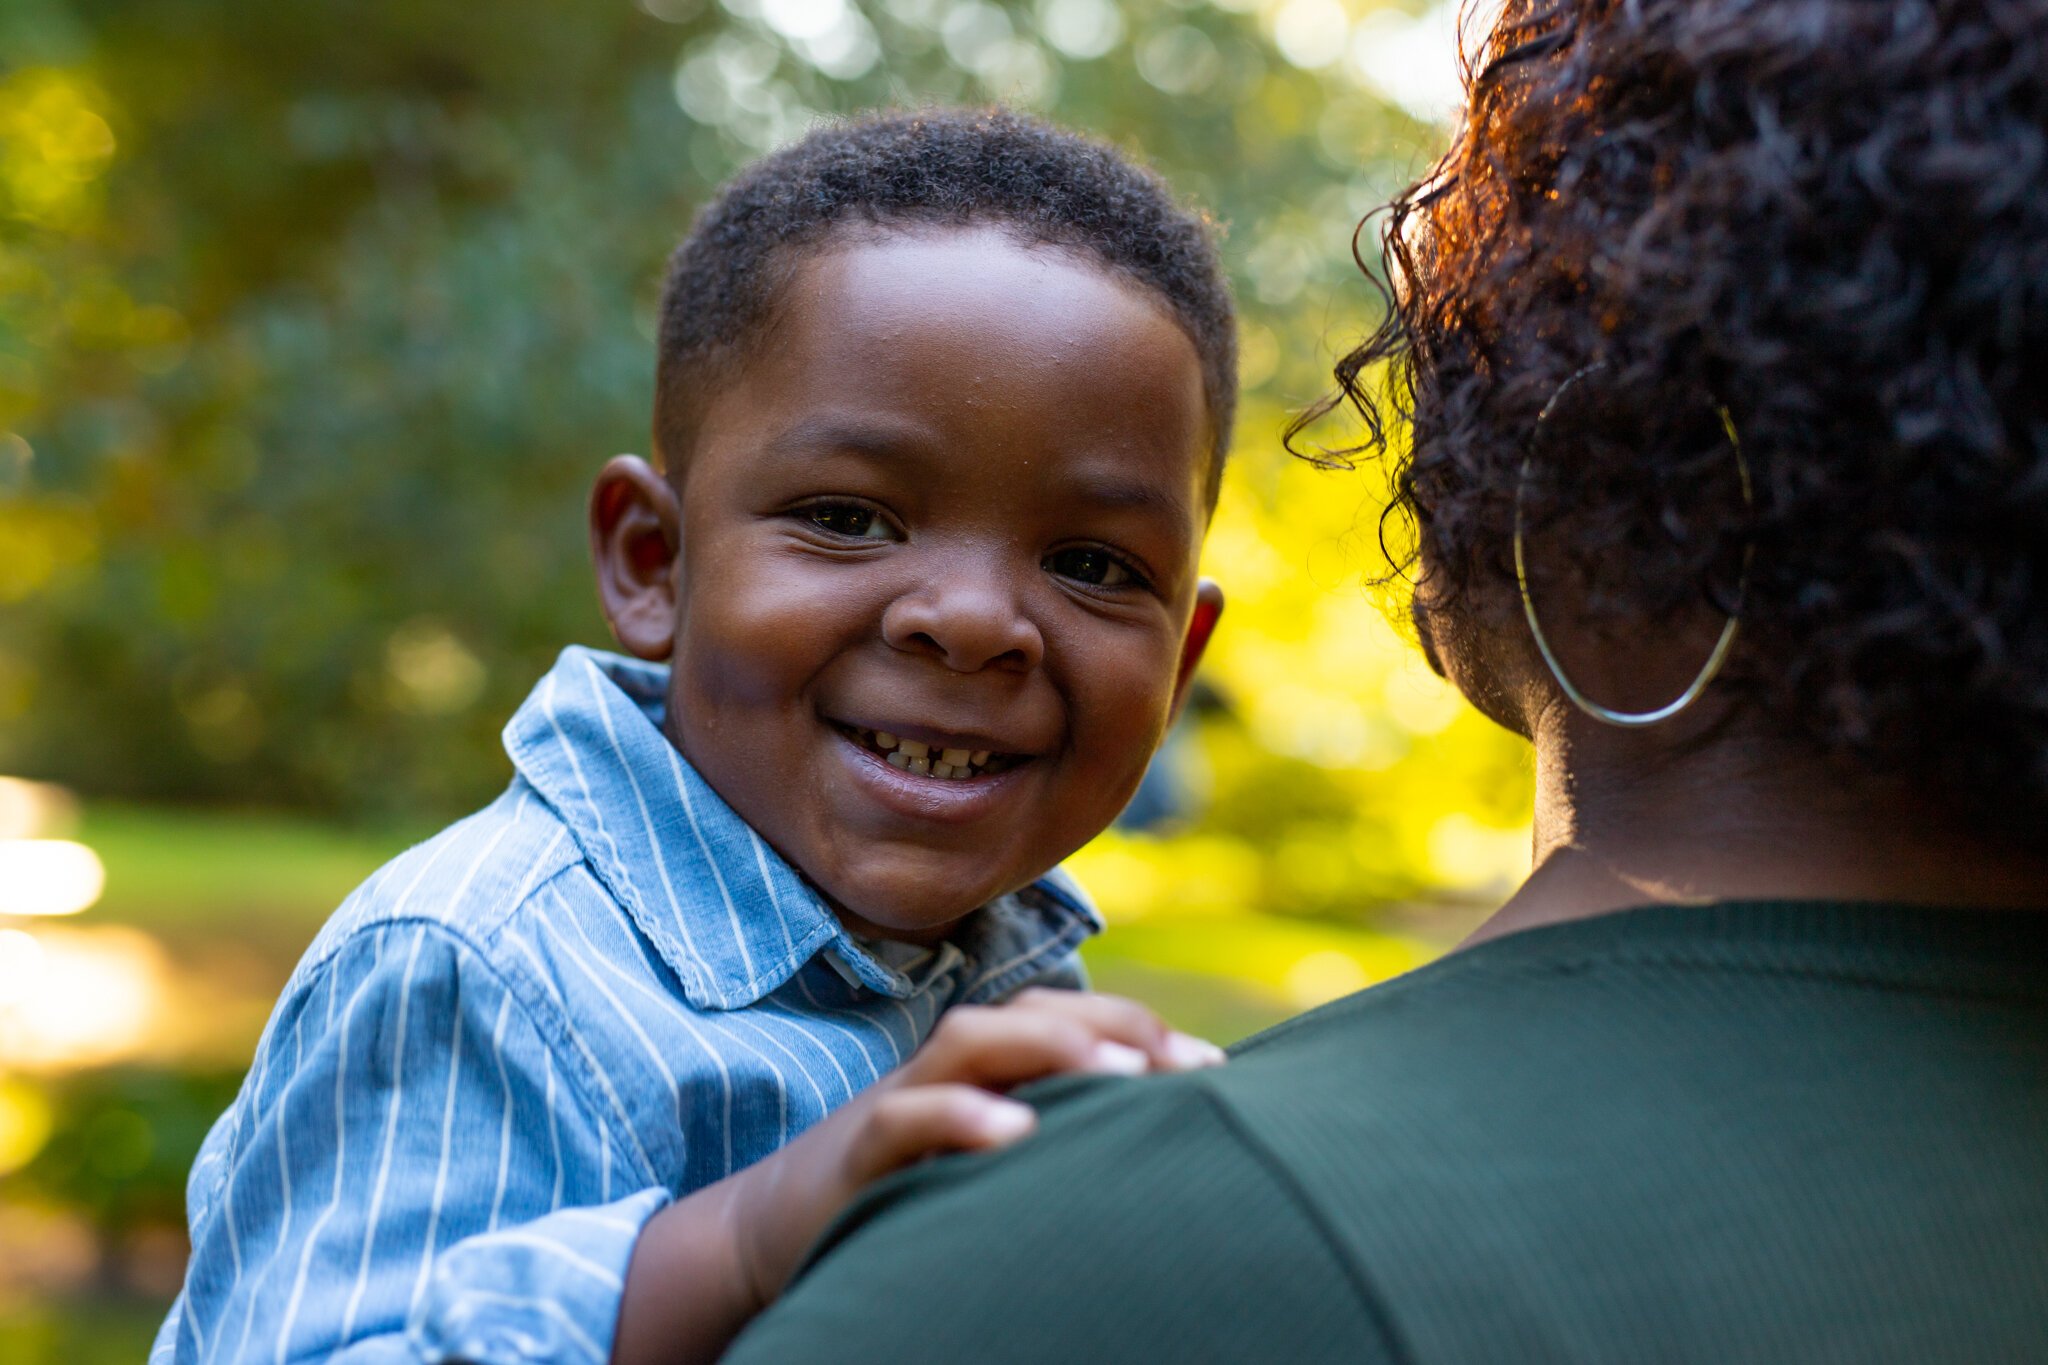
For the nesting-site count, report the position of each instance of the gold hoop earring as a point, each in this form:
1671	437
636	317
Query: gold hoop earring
1607	715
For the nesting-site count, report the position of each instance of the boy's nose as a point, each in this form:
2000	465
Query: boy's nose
966	621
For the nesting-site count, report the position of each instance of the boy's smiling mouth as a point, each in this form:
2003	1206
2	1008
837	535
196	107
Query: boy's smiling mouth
937	756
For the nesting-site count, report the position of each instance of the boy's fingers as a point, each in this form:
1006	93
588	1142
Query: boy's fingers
924	1120
999	1048
1008	1045
1127	1022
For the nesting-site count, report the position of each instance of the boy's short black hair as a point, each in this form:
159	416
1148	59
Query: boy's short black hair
939	166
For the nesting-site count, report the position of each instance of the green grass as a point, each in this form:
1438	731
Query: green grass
192	873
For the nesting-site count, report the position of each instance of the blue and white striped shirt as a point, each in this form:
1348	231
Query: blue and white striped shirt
517	1041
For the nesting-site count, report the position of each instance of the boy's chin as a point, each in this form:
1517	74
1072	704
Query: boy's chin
916	914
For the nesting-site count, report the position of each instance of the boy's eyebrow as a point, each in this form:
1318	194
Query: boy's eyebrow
888	442
1110	489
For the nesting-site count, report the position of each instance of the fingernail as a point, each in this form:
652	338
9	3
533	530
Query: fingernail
1189	1053
1006	1121
1115	1059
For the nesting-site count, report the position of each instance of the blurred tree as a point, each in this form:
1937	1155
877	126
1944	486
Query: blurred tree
316	319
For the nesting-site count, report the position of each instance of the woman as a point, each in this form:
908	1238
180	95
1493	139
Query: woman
1724	332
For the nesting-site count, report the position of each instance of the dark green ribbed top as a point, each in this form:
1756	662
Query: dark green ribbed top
1744	1132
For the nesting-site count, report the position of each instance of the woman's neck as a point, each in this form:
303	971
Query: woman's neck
1622	822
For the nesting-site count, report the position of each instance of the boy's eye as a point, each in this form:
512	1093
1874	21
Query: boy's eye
1091	565
848	519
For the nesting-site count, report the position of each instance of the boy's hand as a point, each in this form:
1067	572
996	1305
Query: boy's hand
708	1263
947	1098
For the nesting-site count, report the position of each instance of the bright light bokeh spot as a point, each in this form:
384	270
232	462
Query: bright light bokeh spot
1181	60
1311	33
72	998
1412	60
670	11
803	18
846	51
1082	29
48	877
34	810
432	672
21	959
975	34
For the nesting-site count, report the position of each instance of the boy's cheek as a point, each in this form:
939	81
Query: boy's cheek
744	631
1116	738
1125	680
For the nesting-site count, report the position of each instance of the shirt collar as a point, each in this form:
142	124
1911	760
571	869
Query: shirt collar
727	914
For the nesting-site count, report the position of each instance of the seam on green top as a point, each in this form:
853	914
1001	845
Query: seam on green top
1277	1171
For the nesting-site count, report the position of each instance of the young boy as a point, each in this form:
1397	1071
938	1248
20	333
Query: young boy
941	407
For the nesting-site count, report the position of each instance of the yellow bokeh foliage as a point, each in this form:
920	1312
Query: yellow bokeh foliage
1344	782
55	142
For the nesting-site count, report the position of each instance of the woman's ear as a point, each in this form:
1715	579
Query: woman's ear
1201	625
635	534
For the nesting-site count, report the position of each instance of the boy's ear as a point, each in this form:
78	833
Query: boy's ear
1201	625
635	532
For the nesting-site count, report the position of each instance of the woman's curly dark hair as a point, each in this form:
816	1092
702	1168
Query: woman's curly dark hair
1830	216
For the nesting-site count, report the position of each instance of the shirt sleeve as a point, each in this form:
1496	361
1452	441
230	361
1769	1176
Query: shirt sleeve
1134	1226
411	1174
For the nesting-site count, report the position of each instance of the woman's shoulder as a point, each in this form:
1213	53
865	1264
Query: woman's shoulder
1712	1131
1132	1226
1717	1126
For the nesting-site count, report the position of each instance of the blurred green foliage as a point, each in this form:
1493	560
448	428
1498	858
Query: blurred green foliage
319	319
316	320
122	1142
116	1333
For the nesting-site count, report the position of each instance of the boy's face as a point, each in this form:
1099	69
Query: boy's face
954	498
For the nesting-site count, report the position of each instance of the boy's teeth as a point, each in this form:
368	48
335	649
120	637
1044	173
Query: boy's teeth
916	756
